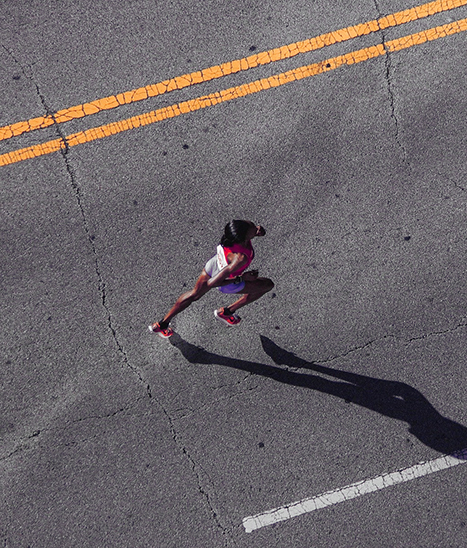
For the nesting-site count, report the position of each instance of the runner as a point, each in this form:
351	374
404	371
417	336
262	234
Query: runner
226	271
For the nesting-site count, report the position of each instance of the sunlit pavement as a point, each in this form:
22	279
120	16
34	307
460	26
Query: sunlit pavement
129	136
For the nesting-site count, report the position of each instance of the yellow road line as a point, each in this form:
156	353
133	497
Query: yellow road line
218	71
233	93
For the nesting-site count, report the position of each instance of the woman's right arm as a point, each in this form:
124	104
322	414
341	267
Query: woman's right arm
237	260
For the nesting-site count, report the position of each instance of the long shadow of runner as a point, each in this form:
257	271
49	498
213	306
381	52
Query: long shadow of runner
390	398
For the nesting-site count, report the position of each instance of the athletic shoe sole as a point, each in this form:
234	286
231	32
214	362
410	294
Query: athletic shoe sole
161	335
223	320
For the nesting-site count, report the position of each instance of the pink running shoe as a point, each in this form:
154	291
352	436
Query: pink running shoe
164	333
231	319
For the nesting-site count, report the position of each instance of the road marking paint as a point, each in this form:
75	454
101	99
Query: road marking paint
231	67
352	491
232	93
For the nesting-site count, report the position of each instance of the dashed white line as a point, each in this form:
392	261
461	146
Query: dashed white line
352	491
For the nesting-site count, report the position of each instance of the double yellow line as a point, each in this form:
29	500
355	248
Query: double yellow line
225	69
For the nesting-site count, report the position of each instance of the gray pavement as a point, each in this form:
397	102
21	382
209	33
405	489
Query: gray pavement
113	437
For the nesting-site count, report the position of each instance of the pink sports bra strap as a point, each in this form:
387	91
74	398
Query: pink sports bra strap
222	253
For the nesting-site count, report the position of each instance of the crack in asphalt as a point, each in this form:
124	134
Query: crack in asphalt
78	195
390	86
452	181
457	185
22	444
436	333
395	337
353	349
196	469
186	412
392	101
100	277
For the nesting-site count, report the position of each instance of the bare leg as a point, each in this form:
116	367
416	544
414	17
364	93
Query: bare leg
252	292
184	301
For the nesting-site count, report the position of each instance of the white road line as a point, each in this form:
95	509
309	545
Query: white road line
358	489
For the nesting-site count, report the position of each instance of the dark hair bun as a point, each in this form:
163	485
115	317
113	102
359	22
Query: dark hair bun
234	233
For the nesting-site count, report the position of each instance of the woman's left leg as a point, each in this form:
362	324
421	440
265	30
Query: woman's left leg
184	301
201	288
252	291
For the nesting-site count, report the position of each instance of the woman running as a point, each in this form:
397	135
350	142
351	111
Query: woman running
226	271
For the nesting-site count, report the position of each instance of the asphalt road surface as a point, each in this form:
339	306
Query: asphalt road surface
352	369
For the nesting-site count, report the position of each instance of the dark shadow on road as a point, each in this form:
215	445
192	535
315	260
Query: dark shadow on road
390	398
